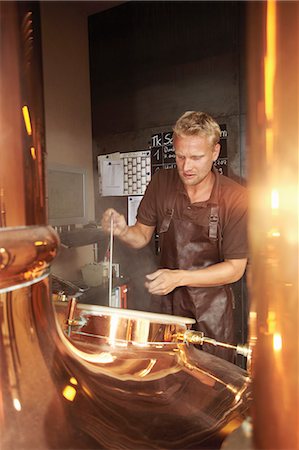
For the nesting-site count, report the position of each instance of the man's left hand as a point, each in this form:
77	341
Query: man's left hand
162	281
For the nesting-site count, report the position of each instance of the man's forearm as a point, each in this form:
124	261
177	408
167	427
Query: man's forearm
164	281
136	236
225	272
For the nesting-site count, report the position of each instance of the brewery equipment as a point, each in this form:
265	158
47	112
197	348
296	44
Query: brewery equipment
125	387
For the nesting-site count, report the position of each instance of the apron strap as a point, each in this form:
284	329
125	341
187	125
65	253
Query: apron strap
213	222
215	229
169	212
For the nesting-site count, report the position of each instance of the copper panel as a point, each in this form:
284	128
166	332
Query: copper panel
273	99
104	394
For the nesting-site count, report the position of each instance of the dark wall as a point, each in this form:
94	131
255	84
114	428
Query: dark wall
152	61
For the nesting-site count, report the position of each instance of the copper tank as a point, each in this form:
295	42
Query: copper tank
273	119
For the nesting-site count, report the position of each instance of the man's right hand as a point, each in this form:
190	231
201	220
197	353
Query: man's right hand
111	216
135	236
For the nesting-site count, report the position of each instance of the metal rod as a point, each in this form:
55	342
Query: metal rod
198	338
110	261
2	209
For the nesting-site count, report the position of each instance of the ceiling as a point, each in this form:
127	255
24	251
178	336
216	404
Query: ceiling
94	7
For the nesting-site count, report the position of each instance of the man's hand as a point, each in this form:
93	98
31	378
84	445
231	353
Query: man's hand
120	226
162	281
135	236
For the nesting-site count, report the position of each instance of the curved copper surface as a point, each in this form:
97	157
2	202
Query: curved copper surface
26	254
132	388
273	101
107	396
124	327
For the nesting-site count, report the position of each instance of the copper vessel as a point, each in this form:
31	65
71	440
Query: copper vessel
273	113
138	388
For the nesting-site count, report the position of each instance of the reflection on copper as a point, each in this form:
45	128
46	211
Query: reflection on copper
270	61
148	369
17	404
27	254
5	258
274	199
273	100
156	394
27	120
73	380
97	389
33	153
69	392
277	342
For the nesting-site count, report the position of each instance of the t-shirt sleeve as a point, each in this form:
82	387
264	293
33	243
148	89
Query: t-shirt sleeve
235	232
147	210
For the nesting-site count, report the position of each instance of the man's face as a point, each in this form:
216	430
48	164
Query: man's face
194	158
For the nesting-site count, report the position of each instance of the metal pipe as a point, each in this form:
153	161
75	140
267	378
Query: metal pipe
110	260
198	338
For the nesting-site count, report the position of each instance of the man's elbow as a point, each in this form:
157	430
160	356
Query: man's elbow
238	269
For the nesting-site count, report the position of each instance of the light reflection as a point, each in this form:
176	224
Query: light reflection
274	232
274	262
269	141
271	322
269	76
40	243
270	59
17	404
73	381
148	369
113	330
277	342
33	153
101	358
27	120
140	344
69	392
106	358
275	199
142	330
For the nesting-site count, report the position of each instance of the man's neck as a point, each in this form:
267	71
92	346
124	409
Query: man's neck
202	191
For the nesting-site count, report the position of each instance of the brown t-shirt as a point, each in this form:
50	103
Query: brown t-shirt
167	190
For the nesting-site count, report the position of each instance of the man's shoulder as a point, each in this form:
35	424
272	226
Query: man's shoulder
165	176
229	185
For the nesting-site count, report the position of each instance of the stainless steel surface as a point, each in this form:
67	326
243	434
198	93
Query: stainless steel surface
110	261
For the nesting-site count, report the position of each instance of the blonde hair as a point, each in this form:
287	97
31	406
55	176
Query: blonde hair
197	123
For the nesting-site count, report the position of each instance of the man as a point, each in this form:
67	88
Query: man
201	217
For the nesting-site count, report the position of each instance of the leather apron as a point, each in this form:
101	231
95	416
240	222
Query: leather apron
187	245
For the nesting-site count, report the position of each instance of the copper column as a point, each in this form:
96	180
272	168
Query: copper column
273	43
